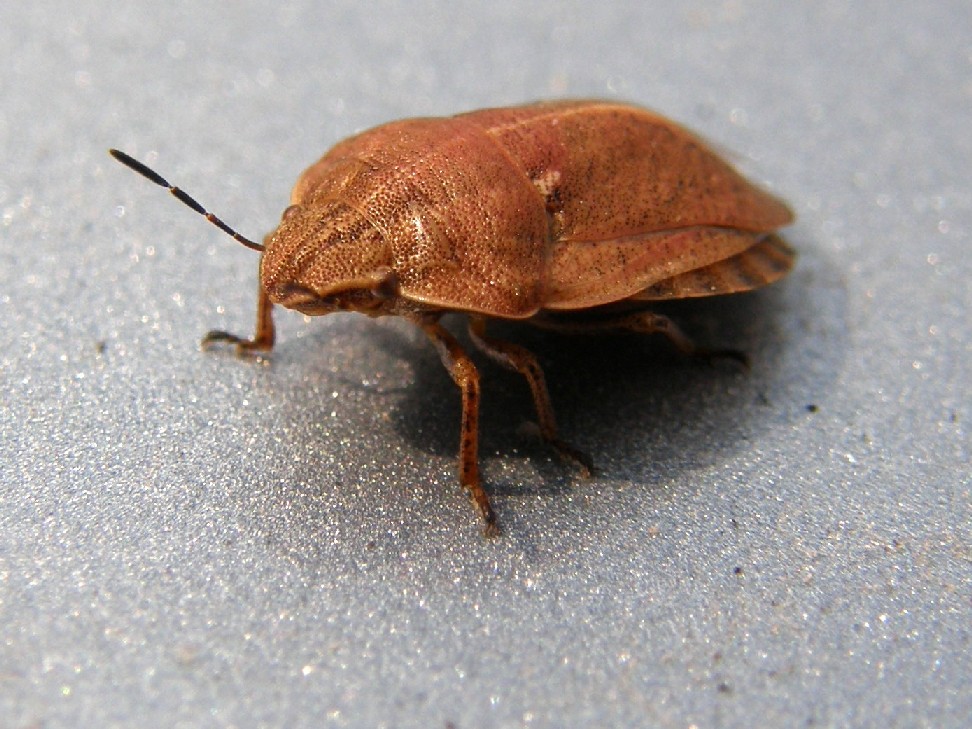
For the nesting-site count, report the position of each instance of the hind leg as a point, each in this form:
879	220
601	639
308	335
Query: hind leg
645	322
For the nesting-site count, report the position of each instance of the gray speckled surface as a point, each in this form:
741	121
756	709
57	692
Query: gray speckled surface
191	540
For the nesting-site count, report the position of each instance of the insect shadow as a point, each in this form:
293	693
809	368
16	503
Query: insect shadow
644	412
639	407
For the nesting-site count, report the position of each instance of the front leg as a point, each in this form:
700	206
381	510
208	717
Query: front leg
464	374
263	338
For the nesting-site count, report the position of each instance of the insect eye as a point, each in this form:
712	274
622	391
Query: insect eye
290	212
387	288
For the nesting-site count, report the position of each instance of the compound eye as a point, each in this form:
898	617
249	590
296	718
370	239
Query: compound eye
388	287
290	212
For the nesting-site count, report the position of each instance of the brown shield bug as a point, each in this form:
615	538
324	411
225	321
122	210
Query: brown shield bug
529	213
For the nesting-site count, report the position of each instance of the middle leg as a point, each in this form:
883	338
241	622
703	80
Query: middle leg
463	372
519	359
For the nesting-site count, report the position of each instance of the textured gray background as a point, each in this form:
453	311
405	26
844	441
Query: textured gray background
192	540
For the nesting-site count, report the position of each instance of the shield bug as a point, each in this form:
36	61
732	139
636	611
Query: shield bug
533	213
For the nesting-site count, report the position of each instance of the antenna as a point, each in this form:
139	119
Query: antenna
182	196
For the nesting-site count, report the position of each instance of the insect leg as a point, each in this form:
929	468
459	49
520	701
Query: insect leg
519	359
263	338
648	322
644	322
464	374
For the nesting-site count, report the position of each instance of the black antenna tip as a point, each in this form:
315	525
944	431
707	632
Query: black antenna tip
141	169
